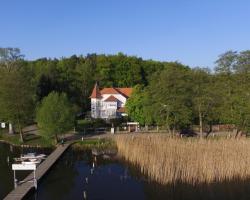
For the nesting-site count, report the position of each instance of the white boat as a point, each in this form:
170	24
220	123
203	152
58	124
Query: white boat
30	158
34	159
33	156
29	162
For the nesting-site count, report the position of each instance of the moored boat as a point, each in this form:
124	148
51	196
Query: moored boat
31	162
30	158
33	156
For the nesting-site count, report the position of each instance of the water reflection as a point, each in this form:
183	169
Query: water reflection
7	153
78	174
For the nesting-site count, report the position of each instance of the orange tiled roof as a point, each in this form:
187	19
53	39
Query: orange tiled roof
126	91
111	98
96	92
109	91
123	91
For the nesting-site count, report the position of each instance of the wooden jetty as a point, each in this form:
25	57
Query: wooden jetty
24	188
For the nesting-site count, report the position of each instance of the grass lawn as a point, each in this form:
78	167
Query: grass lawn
84	124
30	139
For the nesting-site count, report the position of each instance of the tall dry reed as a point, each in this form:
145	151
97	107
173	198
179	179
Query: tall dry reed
168	160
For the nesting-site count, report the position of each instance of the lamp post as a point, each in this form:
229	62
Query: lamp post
167	109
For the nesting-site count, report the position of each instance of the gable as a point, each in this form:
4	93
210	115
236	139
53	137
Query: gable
111	99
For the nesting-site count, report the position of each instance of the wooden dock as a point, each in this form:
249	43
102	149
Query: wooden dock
24	188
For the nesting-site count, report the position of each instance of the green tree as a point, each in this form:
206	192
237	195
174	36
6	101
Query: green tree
16	98
85	76
170	91
138	106
225	70
55	115
205	98
9	57
226	63
235	90
243	62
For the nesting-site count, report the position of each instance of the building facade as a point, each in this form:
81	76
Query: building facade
109	103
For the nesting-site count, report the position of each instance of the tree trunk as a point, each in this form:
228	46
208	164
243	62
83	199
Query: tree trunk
200	124
209	131
20	127
173	132
20	132
56	138
11	130
168	128
237	133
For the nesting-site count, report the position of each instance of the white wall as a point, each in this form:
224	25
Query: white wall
95	108
102	109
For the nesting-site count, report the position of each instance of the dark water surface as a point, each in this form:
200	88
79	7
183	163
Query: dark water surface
111	179
7	153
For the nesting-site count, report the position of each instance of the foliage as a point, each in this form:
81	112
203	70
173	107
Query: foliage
165	93
9	57
138	106
55	115
205	99
234	107
16	98
180	96
76	76
170	97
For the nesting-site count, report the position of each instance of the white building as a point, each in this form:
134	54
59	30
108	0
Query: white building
109	103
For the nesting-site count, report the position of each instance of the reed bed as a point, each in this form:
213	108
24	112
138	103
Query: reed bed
170	160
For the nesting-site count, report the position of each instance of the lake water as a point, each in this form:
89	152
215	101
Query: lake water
111	179
7	153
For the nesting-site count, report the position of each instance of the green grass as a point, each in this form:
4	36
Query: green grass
34	140
99	144
84	124
13	139
30	139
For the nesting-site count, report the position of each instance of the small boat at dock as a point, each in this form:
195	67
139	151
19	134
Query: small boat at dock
33	156
30	158
29	162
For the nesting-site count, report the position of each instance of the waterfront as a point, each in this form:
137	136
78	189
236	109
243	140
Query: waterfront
112	178
108	179
7	153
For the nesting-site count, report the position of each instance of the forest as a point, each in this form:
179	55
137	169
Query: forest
167	94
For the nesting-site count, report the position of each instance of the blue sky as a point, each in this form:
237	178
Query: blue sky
193	32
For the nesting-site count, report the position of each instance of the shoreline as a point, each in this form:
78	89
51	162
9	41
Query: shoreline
24	145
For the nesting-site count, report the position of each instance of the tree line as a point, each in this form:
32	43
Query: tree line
177	96
169	94
24	84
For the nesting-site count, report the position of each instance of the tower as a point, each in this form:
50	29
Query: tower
95	102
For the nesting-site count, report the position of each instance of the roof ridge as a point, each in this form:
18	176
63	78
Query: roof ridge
96	92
